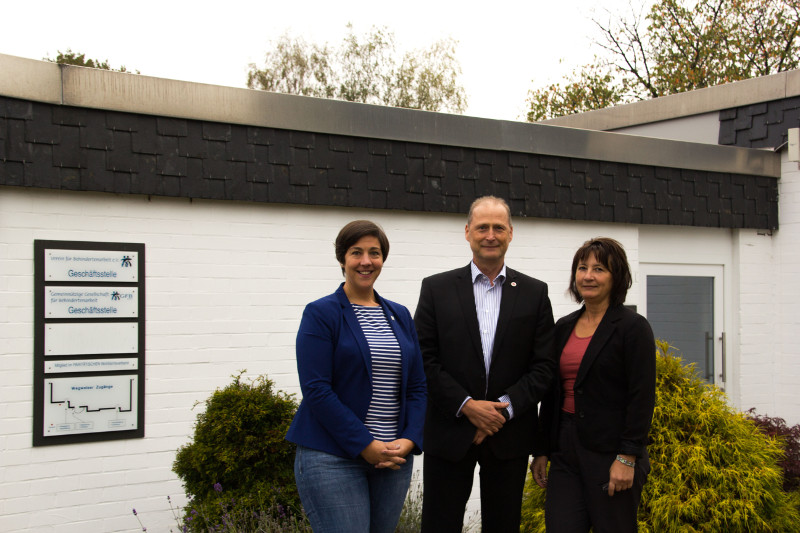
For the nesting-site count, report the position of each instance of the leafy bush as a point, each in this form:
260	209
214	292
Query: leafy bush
712	468
239	445
267	518
226	516
789	439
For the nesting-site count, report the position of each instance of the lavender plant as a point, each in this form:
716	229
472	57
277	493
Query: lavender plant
223	516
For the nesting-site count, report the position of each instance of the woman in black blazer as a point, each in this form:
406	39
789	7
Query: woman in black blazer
595	420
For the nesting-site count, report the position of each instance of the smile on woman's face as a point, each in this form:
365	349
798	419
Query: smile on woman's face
363	263
593	281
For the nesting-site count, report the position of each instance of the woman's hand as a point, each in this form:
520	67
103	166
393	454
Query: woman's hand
620	476
539	470
399	448
387	454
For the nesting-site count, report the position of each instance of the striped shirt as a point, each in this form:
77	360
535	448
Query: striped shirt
487	305
384	407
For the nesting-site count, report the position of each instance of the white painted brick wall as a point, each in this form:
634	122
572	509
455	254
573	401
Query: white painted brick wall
769	350
757	312
787	379
226	284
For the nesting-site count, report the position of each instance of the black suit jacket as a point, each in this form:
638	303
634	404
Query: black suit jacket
614	388
522	361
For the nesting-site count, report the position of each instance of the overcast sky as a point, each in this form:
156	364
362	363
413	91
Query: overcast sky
505	47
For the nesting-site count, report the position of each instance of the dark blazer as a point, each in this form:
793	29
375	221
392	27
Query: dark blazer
614	389
335	370
522	361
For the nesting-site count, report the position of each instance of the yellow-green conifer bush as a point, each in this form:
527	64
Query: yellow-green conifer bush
713	470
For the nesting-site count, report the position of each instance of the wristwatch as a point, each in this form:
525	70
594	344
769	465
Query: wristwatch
625	461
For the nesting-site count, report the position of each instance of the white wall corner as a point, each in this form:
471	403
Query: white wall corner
793	147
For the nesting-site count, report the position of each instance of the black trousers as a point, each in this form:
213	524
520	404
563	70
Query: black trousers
448	484
575	500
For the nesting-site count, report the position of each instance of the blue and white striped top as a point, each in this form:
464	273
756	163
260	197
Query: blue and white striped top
384	407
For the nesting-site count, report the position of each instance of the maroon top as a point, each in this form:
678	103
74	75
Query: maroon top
570	361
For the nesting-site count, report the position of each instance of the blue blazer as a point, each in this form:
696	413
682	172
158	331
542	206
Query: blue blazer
334	365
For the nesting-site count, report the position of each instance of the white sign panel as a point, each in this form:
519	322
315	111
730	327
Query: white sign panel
90	265
93	338
91	302
90	365
90	404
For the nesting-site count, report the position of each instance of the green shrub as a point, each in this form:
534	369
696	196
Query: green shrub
712	469
239	447
268	517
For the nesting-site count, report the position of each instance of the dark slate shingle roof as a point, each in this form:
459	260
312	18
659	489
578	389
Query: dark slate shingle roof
60	147
762	125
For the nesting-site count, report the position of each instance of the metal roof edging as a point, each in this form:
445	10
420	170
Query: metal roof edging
133	93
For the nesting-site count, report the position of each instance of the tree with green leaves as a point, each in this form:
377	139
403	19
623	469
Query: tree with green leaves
364	69
78	59
592	87
679	45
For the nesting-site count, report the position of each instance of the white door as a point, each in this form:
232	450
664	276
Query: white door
683	304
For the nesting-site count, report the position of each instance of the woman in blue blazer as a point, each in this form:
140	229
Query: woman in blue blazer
595	420
363	409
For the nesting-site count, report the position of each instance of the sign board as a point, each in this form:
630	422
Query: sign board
61	366
91	339
91	302
89	342
90	265
92	404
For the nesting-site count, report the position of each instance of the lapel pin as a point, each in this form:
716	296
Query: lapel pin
392	317
513	283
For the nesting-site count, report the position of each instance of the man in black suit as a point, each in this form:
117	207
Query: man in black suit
486	333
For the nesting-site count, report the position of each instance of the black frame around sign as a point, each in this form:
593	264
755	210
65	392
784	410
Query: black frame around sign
40	322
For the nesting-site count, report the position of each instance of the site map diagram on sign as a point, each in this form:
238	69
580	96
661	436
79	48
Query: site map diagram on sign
90	404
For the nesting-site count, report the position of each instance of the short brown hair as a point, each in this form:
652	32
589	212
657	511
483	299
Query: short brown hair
487	199
611	255
353	232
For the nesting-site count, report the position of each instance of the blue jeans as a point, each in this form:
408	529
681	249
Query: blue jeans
343	495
